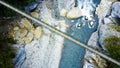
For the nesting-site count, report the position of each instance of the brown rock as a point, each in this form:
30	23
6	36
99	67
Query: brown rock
38	32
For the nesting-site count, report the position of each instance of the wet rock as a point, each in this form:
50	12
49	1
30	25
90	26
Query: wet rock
38	32
75	12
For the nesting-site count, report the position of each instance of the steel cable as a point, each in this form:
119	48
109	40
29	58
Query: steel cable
60	33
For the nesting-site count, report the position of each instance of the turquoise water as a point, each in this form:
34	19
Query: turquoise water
73	54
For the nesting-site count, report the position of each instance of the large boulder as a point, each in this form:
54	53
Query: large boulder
104	8
115	9
107	31
110	41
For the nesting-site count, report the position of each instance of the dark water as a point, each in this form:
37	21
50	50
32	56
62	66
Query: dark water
73	54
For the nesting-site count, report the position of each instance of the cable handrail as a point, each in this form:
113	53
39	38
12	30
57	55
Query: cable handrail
60	33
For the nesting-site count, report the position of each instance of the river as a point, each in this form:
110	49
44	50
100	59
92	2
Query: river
44	54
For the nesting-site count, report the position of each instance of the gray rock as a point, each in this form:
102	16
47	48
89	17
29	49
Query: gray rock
105	32
93	40
115	9
31	7
107	20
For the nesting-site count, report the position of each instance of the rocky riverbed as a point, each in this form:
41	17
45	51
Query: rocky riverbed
94	23
108	14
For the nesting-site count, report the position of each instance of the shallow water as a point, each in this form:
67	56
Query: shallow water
73	54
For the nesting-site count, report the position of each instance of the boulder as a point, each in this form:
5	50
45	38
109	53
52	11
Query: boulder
115	10
35	14
103	8
106	31
75	12
38	32
107	21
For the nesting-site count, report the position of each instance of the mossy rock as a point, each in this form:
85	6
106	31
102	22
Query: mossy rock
112	45
116	27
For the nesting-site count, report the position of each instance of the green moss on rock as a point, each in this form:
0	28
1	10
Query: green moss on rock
116	27
112	45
